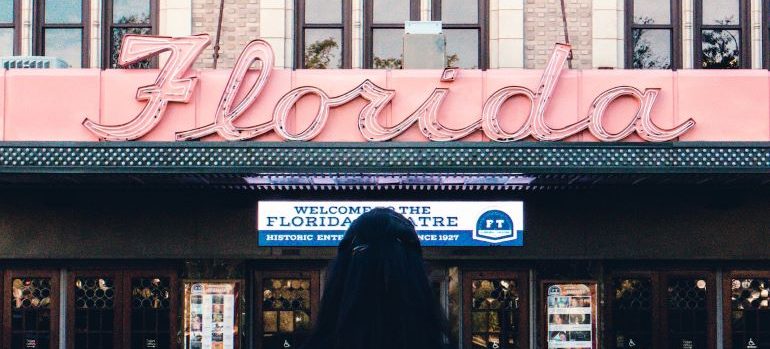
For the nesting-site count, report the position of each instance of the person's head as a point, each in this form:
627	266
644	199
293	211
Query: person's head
377	294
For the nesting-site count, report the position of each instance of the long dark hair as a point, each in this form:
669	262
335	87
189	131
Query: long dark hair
377	294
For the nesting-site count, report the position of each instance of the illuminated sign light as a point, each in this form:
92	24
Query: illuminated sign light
438	223
174	84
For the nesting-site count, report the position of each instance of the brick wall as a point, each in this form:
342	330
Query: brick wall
239	26
543	27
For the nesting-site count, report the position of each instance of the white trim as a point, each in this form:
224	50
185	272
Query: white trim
607	33
27	17
506	34
688	39
275	28
756	34
357	35
95	30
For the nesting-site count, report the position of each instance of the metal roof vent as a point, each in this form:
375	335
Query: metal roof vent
32	62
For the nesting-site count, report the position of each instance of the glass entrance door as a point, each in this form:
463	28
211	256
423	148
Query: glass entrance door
495	310
287	305
673	310
31	309
121	309
747	309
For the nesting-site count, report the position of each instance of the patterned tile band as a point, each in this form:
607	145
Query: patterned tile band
466	157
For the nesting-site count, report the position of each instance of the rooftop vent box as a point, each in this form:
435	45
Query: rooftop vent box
32	62
424	45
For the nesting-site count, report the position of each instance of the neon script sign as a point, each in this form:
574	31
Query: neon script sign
174	84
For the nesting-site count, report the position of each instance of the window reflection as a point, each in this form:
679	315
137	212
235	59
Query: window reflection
721	11
6	41
131	11
66	44
750	309
117	39
462	47
459	11
721	49
323	11
387	45
128	17
391	11
63	11
323	49
494	314
652	11
652	48
6	11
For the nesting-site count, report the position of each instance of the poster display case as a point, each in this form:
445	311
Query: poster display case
570	314
211	314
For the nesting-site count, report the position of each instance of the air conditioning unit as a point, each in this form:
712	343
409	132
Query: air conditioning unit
32	62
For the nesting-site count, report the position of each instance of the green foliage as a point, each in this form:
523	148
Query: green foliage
643	56
451	60
721	49
387	63
318	55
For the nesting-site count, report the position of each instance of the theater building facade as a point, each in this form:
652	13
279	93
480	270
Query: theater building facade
599	186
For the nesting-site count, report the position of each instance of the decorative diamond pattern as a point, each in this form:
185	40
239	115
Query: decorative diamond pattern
492	157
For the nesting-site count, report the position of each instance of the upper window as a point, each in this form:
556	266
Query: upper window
653	26
465	28
123	17
9	27
323	34
61	30
384	29
721	34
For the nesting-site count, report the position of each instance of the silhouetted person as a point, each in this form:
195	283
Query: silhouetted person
377	294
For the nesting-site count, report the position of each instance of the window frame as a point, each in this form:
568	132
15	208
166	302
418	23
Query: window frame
108	25
675	26
482	26
15	24
744	27
370	27
40	27
299	33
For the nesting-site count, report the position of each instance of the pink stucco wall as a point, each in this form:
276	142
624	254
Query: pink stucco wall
50	105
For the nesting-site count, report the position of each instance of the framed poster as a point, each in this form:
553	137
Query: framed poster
211	314
570	314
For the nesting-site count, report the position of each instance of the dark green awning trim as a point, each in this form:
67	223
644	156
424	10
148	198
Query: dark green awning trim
455	157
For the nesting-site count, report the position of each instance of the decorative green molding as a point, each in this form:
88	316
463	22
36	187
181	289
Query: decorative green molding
455	157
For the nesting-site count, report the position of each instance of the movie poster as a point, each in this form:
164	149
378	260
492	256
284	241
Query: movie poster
210	315
570	315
